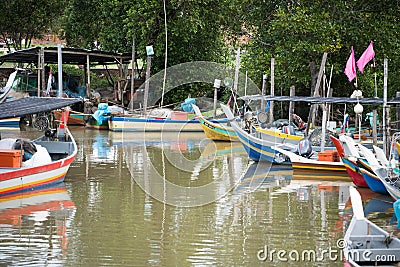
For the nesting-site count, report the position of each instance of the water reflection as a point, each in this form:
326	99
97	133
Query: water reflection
34	226
116	223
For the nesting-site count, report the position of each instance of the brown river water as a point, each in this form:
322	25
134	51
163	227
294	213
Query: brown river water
135	199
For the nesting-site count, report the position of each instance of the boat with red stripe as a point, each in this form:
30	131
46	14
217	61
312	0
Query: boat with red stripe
18	174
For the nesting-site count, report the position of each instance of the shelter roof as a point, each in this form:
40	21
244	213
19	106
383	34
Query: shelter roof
317	100
69	56
33	105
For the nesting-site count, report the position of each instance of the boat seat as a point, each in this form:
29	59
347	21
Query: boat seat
375	241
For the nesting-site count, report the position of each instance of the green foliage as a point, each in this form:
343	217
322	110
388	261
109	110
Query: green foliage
296	33
22	20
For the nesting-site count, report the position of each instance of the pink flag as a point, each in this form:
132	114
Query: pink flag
350	70
366	57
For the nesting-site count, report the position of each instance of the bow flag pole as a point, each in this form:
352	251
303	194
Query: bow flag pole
350	69
366	57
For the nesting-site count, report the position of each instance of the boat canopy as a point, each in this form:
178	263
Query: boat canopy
33	105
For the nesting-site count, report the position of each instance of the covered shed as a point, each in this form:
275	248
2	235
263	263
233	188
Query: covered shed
40	56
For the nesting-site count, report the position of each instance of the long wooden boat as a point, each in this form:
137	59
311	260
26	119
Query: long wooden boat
366	244
6	89
154	124
10	124
94	124
215	131
300	163
350	163
16	177
76	118
354	172
373	181
258	149
371	163
392	185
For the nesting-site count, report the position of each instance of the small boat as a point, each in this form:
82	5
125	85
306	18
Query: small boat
365	243
94	124
329	165
175	121
99	119
350	163
75	118
373	181
390	181
10	124
370	164
258	149
215	131
26	165
6	89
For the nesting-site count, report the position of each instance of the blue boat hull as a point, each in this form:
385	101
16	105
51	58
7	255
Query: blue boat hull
374	183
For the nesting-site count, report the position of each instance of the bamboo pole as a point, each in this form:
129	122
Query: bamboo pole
271	106
386	118
291	104
60	81
43	84
311	115
146	85
263	89
132	74
88	76
39	74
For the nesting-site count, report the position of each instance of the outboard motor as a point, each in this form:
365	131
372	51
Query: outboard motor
304	148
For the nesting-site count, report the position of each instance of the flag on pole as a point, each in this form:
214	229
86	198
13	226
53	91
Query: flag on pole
366	57
49	84
350	69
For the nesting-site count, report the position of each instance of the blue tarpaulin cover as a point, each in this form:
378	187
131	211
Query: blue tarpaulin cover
102	110
187	105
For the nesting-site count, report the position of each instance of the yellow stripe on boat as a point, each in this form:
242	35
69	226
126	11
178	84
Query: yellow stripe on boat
279	134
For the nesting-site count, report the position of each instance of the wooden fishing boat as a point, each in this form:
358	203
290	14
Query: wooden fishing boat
371	163
258	149
6	89
215	131
9	124
392	185
350	163
50	155
373	181
75	118
177	122
366	244
94	124
16	178
328	165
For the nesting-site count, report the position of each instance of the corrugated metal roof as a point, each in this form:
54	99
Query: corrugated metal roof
317	100
33	105
69	56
